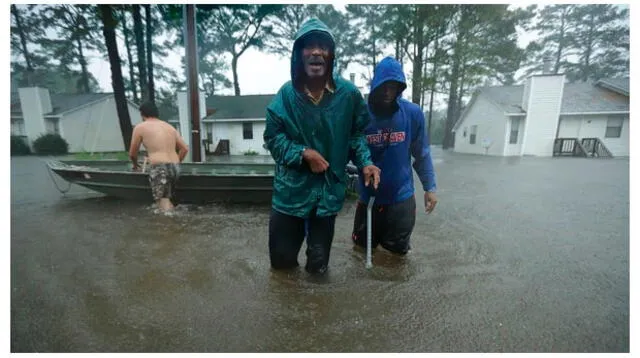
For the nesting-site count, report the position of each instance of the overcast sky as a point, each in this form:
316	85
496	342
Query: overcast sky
260	72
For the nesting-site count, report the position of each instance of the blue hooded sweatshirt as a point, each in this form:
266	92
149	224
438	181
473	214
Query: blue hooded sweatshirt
395	137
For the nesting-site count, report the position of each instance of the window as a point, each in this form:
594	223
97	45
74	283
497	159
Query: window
515	125
614	128
472	135
247	130
17	127
52	125
209	127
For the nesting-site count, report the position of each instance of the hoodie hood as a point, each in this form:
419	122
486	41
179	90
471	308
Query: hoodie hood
387	70
311	26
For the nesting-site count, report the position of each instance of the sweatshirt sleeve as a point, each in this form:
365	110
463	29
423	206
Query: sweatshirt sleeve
421	152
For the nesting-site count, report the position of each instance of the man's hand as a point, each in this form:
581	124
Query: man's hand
316	161
369	172
430	201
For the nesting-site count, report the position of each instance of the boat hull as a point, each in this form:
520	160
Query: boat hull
198	182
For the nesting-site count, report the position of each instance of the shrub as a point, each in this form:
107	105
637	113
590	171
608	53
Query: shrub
250	152
103	155
19	146
50	144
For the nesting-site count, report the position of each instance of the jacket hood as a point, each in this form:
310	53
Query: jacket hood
309	27
387	70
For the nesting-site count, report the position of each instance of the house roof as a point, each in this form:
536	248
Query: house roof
605	95
509	98
238	107
580	97
620	85
585	97
61	102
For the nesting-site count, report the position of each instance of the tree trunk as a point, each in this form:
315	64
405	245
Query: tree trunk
398	50
589	48
373	57
234	69
83	66
373	38
142	71
433	84
453	85
23	43
151	92
127	44
108	30
556	68
460	91
416	81
451	105
422	74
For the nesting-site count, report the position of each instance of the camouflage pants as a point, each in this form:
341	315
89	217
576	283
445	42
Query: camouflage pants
163	178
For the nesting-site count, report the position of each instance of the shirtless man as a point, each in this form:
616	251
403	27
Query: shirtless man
160	140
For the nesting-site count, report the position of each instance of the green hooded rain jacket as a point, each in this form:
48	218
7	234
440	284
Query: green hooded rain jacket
334	128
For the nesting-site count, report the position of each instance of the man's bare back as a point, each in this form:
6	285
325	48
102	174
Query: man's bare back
160	140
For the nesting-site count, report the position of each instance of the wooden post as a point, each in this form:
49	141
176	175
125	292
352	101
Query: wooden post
192	79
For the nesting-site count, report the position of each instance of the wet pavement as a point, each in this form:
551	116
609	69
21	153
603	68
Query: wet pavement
521	255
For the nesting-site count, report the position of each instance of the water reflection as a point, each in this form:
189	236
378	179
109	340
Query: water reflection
99	274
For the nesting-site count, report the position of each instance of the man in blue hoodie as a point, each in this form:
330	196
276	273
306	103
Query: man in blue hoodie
313	123
395	133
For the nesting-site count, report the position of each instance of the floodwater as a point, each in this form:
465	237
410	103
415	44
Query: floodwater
520	255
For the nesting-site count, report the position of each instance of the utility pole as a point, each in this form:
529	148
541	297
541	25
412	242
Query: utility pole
189	12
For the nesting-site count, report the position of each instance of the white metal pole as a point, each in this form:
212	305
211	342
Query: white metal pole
369	209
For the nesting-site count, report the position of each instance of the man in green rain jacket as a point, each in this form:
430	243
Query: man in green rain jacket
313	123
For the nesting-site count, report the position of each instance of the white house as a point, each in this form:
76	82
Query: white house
88	122
527	119
234	125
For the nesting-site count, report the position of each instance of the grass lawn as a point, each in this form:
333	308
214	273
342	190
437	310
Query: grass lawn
99	156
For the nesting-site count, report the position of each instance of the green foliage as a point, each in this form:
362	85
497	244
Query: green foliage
50	144
211	69
437	131
233	29
77	32
586	42
100	156
345	34
368	19
19	146
290	19
251	152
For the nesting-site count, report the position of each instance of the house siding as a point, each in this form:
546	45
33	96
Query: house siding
232	130
595	126
491	123
96	128
526	93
